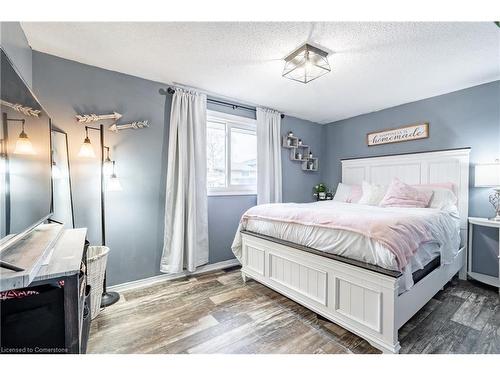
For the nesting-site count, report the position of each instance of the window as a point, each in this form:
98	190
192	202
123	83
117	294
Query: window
231	154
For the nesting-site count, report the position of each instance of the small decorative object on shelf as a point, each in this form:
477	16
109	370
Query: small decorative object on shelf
310	164
290	141
300	142
320	192
310	155
298	155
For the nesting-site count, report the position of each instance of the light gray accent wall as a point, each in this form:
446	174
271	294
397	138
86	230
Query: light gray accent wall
465	118
134	217
15	45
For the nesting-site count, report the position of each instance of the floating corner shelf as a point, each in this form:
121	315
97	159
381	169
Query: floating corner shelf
300	152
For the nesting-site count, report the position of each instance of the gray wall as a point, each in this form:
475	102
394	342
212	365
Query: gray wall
134	217
465	118
15	45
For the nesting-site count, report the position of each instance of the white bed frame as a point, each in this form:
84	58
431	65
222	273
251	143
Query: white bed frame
363	301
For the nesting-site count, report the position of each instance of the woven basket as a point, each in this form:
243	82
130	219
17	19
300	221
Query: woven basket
97	257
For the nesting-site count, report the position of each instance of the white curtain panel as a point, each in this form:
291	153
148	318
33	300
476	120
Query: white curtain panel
268	156
186	218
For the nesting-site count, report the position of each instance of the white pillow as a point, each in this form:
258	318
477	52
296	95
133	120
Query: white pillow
347	193
372	194
441	198
342	192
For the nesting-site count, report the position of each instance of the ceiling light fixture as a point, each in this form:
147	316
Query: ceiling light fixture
306	63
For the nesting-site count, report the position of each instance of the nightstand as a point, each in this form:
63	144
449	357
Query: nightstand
487	279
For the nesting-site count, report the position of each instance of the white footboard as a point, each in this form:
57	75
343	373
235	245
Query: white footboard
360	300
364	302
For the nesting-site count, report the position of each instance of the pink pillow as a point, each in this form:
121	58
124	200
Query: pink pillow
355	194
400	194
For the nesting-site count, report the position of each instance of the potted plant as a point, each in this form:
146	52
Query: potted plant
320	191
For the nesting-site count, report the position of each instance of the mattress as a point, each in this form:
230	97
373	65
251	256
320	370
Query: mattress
360	248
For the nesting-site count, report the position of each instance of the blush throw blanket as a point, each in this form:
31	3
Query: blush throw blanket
401	230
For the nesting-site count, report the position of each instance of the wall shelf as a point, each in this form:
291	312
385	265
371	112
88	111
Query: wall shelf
300	152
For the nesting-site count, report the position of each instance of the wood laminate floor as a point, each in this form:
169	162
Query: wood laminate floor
218	313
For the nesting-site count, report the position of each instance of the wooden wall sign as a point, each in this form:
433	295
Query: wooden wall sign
403	134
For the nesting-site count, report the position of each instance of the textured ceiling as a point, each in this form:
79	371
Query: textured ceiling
374	65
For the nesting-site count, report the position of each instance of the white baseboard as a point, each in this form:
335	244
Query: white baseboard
166	277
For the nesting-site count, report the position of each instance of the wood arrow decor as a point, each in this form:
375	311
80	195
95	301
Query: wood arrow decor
93	117
28	111
133	125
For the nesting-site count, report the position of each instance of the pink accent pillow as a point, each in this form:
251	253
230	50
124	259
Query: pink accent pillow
355	194
400	194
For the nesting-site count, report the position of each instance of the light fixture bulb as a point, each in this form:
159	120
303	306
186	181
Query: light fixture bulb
86	151
24	145
114	183
107	168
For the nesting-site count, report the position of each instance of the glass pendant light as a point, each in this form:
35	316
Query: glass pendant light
113	181
86	151
107	167
306	64
23	144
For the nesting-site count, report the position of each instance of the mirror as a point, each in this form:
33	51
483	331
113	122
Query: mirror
61	180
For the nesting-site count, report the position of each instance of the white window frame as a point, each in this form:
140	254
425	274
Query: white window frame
239	122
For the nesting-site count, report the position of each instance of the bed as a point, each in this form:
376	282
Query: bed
350	281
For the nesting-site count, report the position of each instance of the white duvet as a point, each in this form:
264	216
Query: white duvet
445	229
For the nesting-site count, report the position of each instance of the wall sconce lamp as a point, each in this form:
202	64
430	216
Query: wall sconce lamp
23	144
108	165
113	181
87	151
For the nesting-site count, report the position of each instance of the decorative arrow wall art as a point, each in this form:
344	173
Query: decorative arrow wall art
28	111
133	125
93	117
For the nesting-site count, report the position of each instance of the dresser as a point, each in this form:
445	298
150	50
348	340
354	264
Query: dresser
52	314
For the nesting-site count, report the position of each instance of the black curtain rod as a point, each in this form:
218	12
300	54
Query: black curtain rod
171	91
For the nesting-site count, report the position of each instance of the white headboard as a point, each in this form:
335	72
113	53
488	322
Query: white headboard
418	168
